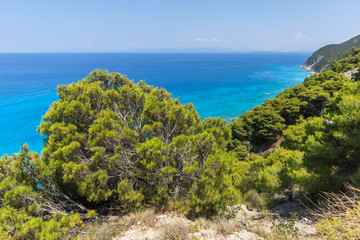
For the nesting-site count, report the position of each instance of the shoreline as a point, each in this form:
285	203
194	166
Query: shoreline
309	69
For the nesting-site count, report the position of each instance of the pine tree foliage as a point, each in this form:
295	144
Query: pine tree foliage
110	139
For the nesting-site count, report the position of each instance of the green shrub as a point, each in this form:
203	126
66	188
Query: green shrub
109	139
254	199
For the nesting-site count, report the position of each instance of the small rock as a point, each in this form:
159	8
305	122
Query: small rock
286	208
305	220
245	214
138	222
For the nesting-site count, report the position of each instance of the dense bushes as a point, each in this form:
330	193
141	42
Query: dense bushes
30	206
321	129
111	140
349	63
265	123
279	172
113	145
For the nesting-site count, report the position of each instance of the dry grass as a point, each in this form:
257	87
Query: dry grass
222	226
339	215
338	204
177	230
146	217
107	229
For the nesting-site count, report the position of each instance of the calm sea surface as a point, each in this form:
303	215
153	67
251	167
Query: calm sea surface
219	85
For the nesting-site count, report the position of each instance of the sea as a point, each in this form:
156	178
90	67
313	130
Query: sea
218	84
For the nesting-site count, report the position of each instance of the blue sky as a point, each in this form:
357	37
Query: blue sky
132	25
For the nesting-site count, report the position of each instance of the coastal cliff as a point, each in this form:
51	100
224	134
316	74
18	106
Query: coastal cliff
322	58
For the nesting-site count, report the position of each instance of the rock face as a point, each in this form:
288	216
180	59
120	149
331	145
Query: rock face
323	57
349	74
286	208
311	63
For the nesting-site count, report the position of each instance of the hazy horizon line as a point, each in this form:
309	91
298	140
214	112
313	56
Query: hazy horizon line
165	51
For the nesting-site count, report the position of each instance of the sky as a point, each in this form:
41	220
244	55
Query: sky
154	25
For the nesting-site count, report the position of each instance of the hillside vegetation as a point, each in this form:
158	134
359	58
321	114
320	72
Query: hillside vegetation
317	123
322	58
112	146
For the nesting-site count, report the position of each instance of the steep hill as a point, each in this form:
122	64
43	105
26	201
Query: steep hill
322	58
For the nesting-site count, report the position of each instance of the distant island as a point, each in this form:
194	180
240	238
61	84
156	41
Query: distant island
322	58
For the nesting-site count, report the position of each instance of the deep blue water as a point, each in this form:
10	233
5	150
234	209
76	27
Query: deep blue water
219	85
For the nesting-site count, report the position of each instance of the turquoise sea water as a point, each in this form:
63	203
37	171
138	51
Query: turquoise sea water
219	85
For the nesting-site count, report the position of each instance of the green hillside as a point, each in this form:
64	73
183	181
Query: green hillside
322	58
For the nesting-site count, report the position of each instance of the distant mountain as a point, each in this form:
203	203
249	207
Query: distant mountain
187	50
322	58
